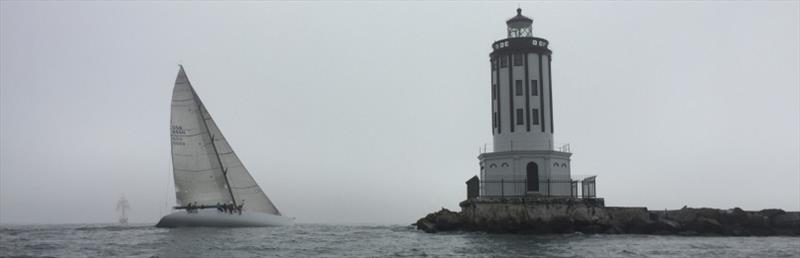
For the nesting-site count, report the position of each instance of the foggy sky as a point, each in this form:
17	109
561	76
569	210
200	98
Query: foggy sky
355	112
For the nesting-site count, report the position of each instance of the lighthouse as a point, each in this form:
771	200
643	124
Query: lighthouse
524	160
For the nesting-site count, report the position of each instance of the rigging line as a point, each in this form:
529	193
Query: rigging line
224	171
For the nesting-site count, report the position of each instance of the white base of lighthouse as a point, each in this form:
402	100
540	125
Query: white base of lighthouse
531	172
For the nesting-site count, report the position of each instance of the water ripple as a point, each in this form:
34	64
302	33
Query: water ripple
311	240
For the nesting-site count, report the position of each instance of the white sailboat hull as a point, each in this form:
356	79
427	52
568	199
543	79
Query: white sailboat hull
214	218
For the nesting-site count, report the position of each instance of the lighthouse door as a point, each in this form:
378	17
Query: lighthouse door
533	177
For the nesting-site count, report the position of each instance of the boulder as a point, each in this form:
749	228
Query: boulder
448	220
788	219
771	212
443	220
734	216
637	225
663	227
593	229
704	226
561	224
683	216
614	230
787	224
553	215
426	226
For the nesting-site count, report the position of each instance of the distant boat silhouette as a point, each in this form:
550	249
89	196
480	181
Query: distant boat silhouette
123	207
212	186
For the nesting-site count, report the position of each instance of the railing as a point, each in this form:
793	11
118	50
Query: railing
564	147
573	188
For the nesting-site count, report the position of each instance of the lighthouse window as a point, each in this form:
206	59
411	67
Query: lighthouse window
517	60
535	116
534	88
518	84
520	118
494	120
494	91
494	64
503	62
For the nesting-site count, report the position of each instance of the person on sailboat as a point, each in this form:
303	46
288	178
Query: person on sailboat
219	207
239	208
191	207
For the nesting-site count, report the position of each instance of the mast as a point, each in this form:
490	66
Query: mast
122	207
213	145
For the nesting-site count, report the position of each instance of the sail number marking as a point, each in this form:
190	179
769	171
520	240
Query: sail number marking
177	135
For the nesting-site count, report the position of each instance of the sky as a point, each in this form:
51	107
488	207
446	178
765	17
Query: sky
373	113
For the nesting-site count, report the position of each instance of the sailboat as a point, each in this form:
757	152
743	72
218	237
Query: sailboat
212	186
123	207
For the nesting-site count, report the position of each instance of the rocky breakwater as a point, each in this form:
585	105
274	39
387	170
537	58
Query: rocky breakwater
552	215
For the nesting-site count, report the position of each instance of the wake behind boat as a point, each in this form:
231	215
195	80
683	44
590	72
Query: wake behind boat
212	186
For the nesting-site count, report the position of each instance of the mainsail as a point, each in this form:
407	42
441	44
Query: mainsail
206	169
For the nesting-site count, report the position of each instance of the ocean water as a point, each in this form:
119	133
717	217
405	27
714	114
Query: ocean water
310	240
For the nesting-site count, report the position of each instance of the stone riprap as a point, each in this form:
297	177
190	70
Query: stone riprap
565	215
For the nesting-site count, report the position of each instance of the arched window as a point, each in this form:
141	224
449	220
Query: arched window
563	165
555	164
504	165
493	165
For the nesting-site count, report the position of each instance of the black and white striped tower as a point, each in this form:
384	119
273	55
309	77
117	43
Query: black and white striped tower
522	113
522	117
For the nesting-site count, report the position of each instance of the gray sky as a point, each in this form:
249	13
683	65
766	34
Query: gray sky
356	112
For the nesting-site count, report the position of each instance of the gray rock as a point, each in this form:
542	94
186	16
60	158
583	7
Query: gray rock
664	227
705	226
787	224
443	220
554	215
771	212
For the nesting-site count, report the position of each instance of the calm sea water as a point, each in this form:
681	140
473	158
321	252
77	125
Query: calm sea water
363	241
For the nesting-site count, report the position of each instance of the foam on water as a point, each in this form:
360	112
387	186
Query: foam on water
307	240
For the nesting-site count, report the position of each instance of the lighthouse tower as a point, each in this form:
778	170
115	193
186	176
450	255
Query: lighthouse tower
523	161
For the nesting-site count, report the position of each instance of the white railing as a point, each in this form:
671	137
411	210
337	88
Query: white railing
565	147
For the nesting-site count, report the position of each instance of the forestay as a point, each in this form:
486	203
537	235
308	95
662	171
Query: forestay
202	158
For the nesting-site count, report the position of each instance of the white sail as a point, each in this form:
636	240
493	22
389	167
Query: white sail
203	169
198	175
245	188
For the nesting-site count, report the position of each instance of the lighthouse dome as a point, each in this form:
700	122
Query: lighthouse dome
519	25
